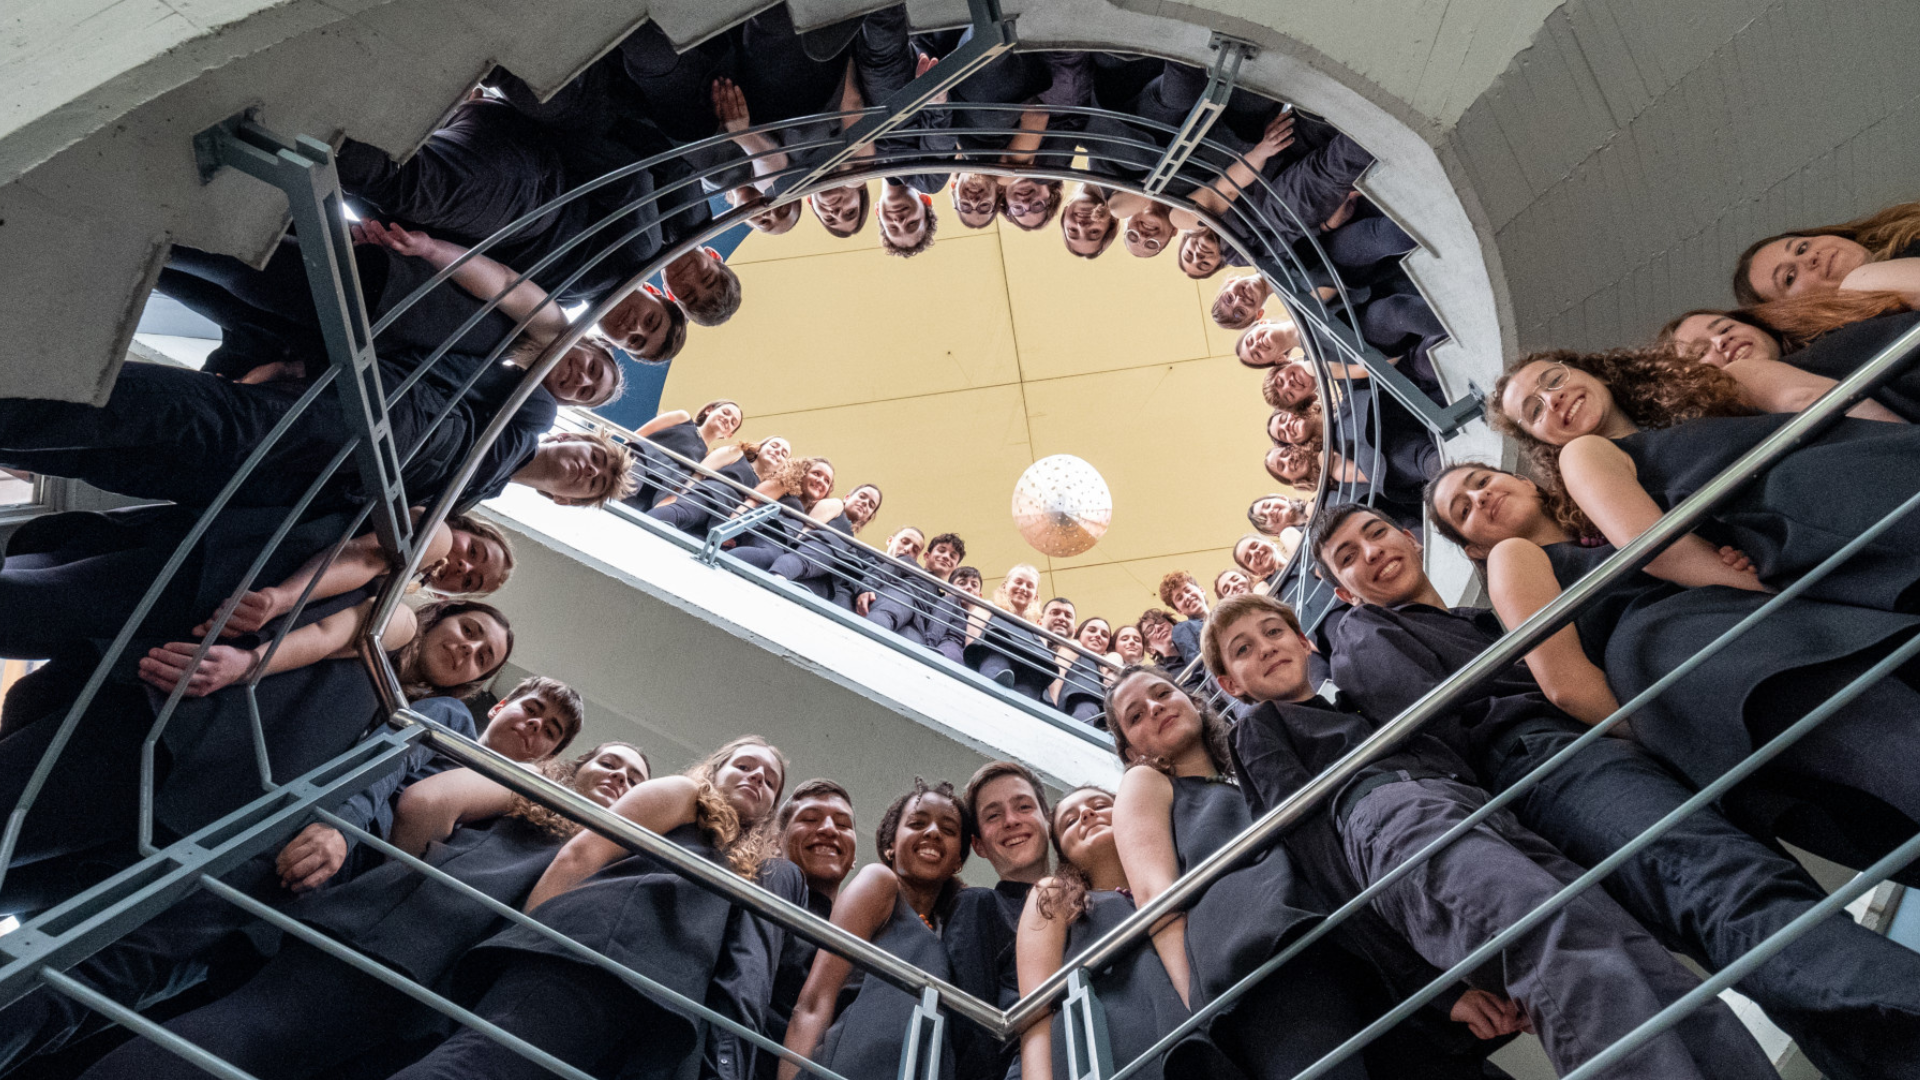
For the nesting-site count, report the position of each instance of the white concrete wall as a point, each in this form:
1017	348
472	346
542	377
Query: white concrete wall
685	656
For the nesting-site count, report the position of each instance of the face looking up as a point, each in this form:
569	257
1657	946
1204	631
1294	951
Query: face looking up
862	504
585	376
838	208
473	565
1804	265
1374	561
1021	587
1556	403
696	275
639	323
751	781
1155	718
926	844
818	481
1240	301
976	198
1128	643
611	773
1027	201
902	214
773	455
1291	464
1190	600
819	839
1720	340
1086	222
905	545
1148	233
1013	829
1265	658
524	728
582	467
1095	636
1231	583
1486	506
941	560
1294	428
721	423
1268	343
1199	253
1057	617
1276	512
1085	823
1257	556
461	648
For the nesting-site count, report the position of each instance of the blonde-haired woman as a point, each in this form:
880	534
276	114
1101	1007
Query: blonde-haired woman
1011	650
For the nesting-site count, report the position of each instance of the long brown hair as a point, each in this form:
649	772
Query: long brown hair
745	844
563	771
1555	503
1655	387
1796	321
1065	894
1215	735
406	659
1882	233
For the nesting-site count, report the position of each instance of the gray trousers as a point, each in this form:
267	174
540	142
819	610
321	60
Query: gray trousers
1587	975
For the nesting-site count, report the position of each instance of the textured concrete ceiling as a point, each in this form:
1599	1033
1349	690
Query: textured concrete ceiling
942	377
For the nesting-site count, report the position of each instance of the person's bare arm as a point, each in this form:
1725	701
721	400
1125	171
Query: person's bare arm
827	509
1026	141
1777	387
662	422
1039	948
430	809
658	805
730	108
1521	581
1891	275
1245	171
1601	479
480	275
1143	832
331	638
360	561
861	909
1125	204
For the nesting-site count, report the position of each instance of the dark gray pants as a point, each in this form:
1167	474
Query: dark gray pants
1587	975
1849	997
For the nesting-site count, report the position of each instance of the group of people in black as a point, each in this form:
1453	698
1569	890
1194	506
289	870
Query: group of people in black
1611	440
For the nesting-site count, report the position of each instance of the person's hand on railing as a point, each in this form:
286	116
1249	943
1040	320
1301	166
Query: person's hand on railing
254	611
1736	559
405	241
1490	1016
923	64
311	858
167	666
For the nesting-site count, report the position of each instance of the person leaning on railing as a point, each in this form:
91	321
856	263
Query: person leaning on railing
691	437
1705	887
1484	881
307	1014
190	942
636	912
707	500
900	903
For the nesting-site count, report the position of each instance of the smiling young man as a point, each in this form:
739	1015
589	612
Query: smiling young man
943	616
1588	951
1008	807
1707	887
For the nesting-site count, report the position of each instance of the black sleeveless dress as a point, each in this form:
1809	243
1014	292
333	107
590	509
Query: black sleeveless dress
421	928
1139	1001
867	1037
637	912
1643	628
660	475
1839	353
1810	504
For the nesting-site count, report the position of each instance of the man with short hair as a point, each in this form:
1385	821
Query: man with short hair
944	617
572	468
891	597
907	220
704	286
816	830
1008	806
1181	591
1487	879
1707	887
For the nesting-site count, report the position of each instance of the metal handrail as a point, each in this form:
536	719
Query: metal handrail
945	588
1511	647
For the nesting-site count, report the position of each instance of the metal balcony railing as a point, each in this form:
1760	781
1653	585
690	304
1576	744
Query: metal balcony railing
37	954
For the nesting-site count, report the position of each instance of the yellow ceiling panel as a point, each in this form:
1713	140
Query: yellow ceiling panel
857	325
1119	591
1074	315
1180	446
